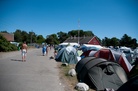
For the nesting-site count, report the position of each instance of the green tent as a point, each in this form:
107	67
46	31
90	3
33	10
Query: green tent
67	55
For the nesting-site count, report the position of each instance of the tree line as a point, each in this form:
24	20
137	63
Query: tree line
124	41
59	37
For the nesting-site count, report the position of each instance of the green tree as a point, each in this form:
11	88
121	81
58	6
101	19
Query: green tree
73	33
18	35
106	42
52	39
125	40
103	42
133	43
114	41
88	33
80	32
40	39
25	36
32	37
4	31
62	36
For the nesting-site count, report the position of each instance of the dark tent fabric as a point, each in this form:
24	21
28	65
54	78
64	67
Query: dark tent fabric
130	85
100	74
134	70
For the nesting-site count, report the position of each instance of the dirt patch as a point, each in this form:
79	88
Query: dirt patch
68	81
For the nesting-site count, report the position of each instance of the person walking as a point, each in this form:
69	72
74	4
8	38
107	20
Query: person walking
55	54
44	50
47	50
24	51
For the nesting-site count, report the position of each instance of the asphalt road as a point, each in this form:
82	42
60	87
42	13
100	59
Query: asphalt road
38	73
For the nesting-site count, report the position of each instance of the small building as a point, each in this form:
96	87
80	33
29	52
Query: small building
8	36
93	40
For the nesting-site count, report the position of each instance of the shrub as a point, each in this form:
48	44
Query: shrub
5	45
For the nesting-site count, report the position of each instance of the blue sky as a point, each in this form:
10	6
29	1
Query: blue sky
105	18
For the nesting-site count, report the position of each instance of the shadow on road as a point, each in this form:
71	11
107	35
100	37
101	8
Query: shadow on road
16	60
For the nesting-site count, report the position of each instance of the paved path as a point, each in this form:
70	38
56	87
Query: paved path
38	73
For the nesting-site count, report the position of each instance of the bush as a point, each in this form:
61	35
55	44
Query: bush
5	45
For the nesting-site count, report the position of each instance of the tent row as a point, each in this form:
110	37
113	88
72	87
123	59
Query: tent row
110	55
98	67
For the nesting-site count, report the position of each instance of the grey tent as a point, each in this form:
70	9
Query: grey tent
100	74
67	55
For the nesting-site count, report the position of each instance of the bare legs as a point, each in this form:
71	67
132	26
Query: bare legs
23	59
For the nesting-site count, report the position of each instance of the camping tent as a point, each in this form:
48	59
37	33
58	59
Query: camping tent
86	47
67	55
134	70
71	44
93	46
135	53
100	74
130	85
88	53
85	53
112	55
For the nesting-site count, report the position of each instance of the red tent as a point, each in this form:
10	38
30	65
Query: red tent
112	55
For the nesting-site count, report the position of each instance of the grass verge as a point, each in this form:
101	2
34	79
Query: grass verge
69	81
